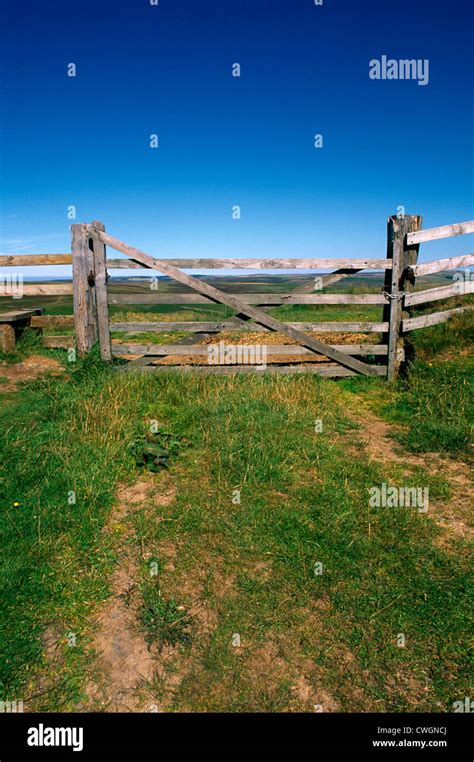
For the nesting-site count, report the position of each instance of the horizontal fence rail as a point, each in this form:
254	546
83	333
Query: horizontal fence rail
328	371
217	327
443	265
158	350
59	342
53	321
47	289
28	260
257	264
435	234
261	299
425	321
459	288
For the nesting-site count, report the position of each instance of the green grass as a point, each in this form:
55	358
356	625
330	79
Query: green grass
436	405
48	569
295	313
248	565
303	501
433	402
455	336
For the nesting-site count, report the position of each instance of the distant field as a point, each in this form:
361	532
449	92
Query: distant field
368	283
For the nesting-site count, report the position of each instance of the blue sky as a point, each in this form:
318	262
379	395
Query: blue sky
167	69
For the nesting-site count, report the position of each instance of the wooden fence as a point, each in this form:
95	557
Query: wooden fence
308	353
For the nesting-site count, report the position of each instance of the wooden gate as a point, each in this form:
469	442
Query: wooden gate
91	300
398	300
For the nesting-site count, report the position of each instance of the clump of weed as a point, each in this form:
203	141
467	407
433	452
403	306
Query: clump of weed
161	619
153	449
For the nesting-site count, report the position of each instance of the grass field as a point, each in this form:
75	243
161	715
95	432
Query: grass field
252	574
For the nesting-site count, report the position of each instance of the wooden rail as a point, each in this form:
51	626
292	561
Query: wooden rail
425	321
260	299
158	350
28	260
53	321
443	265
256	264
327	371
445	231
459	288
47	289
217	327
59	342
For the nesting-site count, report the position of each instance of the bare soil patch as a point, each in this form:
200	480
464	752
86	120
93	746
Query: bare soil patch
27	370
374	435
126	667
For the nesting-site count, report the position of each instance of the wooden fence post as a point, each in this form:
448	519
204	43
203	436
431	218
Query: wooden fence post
102	307
85	318
398	281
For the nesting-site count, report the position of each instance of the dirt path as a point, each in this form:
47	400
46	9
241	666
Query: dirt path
132	676
27	370
375	436
126	667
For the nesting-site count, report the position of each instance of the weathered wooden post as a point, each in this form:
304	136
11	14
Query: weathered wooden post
85	318
398	281
7	338
102	307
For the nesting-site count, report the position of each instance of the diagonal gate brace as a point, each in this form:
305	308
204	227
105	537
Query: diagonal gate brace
234	302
